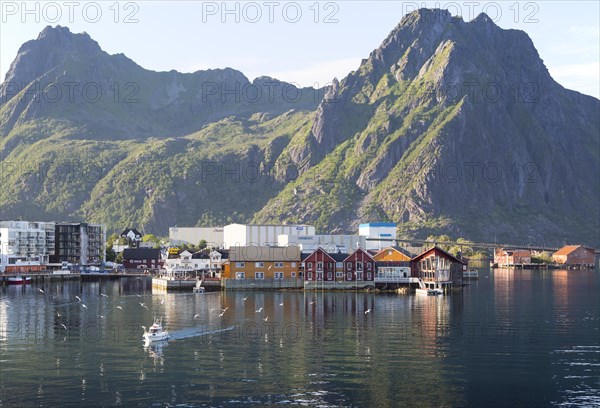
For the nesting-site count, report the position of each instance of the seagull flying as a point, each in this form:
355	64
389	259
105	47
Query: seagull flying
103	295
367	311
58	314
196	315
78	298
221	314
84	306
41	291
63	326
119	307
162	301
259	310
266	318
281	304
246	298
101	317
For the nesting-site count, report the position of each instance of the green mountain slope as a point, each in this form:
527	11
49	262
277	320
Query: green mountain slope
447	127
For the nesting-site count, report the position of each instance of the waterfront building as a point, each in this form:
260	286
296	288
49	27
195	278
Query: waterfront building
26	246
142	258
262	263
510	257
393	265
79	244
359	266
575	255
321	266
386	231
193	235
438	268
261	235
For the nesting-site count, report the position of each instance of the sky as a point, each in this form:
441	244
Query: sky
303	42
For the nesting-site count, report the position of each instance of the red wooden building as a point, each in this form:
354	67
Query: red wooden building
319	266
436	266
359	266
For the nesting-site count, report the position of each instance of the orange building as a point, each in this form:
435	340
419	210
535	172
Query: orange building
262	262
392	254
575	255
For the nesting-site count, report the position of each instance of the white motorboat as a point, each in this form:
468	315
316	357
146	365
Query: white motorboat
155	332
429	292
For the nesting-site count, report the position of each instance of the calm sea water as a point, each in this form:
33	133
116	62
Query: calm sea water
512	338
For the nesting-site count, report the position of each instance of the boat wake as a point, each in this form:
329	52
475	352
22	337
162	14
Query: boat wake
189	333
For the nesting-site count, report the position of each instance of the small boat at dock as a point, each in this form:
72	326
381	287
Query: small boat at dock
19	280
155	332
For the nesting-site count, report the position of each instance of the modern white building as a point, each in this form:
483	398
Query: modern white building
25	244
378	230
193	235
261	235
330	243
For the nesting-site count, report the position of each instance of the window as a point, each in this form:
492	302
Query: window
339	274
259	275
293	264
330	265
339	265
349	266
240	264
259	264
359	276
309	276
359	266
278	275
368	266
368	275
278	264
319	266
349	276
319	276
293	274
240	275
329	276
309	265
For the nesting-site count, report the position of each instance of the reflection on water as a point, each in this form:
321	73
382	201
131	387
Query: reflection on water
534	334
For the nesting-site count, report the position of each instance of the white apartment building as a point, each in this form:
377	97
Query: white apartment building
25	243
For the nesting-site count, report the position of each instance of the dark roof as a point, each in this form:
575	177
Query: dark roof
126	231
447	254
202	254
141	253
338	256
224	253
305	255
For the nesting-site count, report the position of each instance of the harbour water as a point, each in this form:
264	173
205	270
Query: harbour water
511	338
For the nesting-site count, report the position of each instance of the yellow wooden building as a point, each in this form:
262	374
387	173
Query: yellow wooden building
262	262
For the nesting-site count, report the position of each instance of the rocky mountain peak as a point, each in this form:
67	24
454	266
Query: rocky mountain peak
53	47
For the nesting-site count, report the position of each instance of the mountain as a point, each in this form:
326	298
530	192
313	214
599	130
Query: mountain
447	127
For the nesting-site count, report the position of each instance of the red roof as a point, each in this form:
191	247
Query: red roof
567	249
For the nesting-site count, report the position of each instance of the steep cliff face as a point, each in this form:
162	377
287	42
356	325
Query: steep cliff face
456	127
447	127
